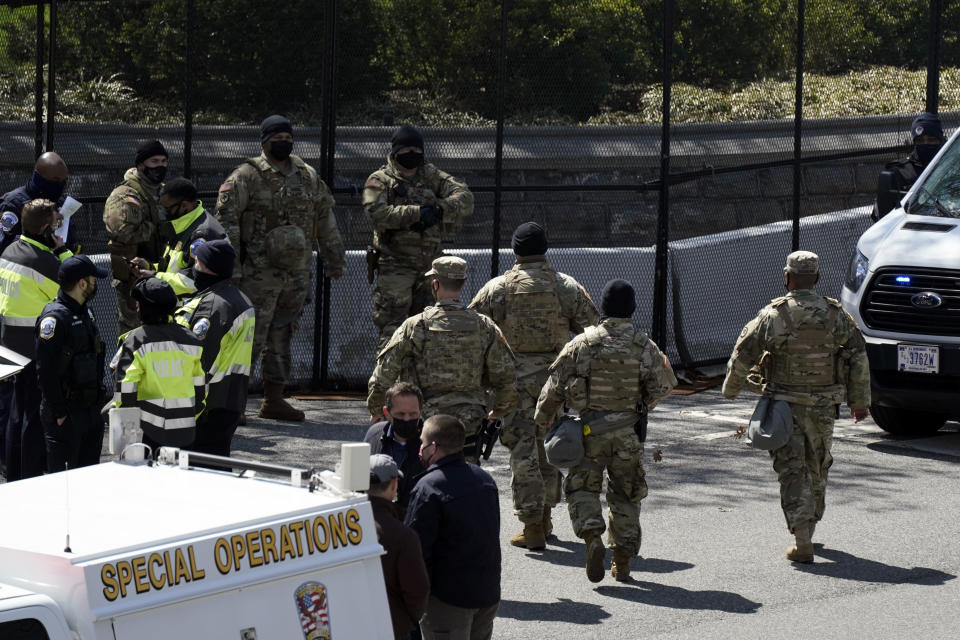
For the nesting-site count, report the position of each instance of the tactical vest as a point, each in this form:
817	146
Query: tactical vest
808	354
284	216
80	366
613	372
534	321
154	213
409	242
453	348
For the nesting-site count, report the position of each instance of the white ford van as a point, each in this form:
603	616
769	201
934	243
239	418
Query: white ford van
903	289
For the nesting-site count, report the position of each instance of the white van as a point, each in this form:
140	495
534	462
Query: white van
122	551
903	289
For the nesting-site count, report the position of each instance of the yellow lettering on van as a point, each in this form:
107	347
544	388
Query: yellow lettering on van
308	536
169	566
222	556
108	576
286	546
125	575
239	550
322	543
269	546
196	573
338	530
155	581
182	570
253	548
295	528
355	534
140	574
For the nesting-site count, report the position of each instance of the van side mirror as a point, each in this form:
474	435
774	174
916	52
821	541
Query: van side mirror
888	195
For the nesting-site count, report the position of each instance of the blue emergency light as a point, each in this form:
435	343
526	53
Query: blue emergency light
904	280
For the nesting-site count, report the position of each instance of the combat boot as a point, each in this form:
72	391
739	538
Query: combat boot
547	523
275	407
595	553
620	569
802	551
530	538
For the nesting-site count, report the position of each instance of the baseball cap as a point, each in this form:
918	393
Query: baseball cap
76	268
383	468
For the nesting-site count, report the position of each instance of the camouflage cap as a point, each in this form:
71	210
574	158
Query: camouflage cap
803	263
449	267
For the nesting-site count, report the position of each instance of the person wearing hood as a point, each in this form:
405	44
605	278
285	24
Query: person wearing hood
606	374
413	207
899	175
275	208
223	319
133	218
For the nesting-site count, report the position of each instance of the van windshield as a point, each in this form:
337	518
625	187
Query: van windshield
939	195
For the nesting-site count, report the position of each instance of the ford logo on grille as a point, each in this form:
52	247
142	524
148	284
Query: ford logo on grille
926	300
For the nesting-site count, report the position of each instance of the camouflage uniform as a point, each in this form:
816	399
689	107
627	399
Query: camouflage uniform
273	215
603	373
812	355
406	252
454	355
537	308
134	220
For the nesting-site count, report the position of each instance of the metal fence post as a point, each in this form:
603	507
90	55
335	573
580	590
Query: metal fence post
38	86
188	93
798	127
933	59
498	161
661	263
328	128
52	76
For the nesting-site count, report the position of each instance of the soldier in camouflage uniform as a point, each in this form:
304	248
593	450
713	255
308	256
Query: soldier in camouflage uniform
453	354
805	349
604	374
273	208
413	207
133	218
537	308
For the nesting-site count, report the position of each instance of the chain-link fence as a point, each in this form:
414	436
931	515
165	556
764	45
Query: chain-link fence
668	142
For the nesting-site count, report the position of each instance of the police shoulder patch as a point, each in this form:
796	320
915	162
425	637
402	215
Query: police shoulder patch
195	244
8	221
116	358
47	327
200	328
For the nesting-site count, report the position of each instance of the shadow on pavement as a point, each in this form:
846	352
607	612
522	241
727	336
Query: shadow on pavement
659	595
847	566
574	555
563	610
892	446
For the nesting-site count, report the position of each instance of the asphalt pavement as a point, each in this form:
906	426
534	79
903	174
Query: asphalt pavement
714	537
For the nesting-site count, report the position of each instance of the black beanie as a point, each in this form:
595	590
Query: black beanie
149	149
529	239
406	136
927	124
273	125
154	294
218	256
617	300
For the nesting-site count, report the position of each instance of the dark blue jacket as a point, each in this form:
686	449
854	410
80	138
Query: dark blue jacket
455	509
405	455
14	201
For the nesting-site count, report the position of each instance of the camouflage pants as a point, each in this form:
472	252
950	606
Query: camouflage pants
621	454
471	415
534	482
127	318
401	291
277	298
802	464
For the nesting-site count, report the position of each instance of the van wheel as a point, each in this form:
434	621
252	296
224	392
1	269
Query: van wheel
906	422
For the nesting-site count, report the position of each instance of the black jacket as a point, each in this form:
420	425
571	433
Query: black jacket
14	201
455	509
380	442
408	588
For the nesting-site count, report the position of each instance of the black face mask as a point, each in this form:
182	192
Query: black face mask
48	188
47	238
281	149
925	152
406	428
91	292
410	159
204	280
155	174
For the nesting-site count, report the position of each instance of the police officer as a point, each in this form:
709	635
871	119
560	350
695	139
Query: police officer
453	354
899	175
222	318
537	308
274	207
47	182
70	359
605	374
413	207
158	369
811	354
188	226
28	281
133	218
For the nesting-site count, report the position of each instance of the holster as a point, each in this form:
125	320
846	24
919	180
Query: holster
373	263
640	426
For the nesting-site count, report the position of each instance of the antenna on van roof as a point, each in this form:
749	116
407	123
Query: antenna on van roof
66	476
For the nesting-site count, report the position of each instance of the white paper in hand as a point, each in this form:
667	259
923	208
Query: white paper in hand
70	207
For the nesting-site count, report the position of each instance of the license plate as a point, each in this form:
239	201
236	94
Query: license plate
917	358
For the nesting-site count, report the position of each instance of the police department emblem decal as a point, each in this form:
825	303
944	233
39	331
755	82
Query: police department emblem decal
116	358
8	221
47	326
194	245
201	327
314	612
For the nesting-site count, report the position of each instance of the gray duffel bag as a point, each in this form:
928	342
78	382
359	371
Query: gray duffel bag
771	424
564	442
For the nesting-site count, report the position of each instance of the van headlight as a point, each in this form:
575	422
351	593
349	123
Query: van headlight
857	272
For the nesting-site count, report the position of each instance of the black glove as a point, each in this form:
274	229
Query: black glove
430	214
400	190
